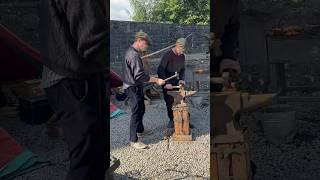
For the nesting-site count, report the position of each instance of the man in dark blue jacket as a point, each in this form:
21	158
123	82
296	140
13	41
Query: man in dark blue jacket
134	77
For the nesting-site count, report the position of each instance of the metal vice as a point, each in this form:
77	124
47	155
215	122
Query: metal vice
229	156
181	114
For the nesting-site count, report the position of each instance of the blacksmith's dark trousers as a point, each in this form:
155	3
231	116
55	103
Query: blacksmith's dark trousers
136	103
82	108
169	102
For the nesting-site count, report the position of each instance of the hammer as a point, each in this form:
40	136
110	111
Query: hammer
174	76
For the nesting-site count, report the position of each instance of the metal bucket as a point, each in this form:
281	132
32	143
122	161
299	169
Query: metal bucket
279	124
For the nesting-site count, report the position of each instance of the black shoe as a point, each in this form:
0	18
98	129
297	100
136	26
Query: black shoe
191	126
170	124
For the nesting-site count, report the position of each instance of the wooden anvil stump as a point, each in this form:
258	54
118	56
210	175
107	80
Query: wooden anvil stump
181	115
229	153
226	106
181	123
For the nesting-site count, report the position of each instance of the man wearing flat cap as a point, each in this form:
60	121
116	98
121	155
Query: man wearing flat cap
133	78
172	61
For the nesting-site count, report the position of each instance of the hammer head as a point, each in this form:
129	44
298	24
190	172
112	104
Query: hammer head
176	74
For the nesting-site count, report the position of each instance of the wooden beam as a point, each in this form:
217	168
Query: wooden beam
303	88
298	99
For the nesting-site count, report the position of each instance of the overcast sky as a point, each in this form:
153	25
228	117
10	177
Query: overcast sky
120	10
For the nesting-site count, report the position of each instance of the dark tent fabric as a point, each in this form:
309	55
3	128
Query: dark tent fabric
19	61
9	148
115	79
16	160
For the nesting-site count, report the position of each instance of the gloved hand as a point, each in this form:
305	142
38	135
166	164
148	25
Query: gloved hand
168	86
182	82
230	64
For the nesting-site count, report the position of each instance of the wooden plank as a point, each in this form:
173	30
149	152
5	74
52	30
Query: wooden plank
224	164
214	175
181	138
303	88
239	164
186	126
177	123
248	162
298	99
235	165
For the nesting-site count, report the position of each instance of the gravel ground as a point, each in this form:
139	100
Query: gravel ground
296	160
188	160
35	139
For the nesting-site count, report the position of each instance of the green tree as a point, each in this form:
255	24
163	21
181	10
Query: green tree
141	9
172	11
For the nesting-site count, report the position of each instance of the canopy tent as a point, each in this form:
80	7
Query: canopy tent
19	61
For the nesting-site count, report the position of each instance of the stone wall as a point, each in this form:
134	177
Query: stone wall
21	17
301	56
162	35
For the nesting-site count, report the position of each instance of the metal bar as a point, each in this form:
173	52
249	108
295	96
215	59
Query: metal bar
159	51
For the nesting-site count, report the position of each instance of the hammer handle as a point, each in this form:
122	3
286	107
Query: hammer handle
171	77
176	87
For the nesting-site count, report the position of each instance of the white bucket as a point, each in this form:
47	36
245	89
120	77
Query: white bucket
279	125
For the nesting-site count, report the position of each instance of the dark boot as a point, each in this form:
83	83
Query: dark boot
171	124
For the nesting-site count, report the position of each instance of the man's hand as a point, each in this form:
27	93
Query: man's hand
168	86
182	82
230	64
160	82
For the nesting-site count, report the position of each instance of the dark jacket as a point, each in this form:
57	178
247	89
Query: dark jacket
133	72
169	64
226	27
73	36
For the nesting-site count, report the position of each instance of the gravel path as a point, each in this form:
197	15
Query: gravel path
35	139
177	161
297	160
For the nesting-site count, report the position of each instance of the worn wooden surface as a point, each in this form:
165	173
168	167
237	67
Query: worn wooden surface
229	161
181	123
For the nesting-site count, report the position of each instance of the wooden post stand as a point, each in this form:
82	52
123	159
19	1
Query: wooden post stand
181	123
181	115
230	161
229	155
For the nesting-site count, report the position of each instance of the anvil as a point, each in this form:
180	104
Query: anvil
180	94
181	114
226	108
228	104
229	155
